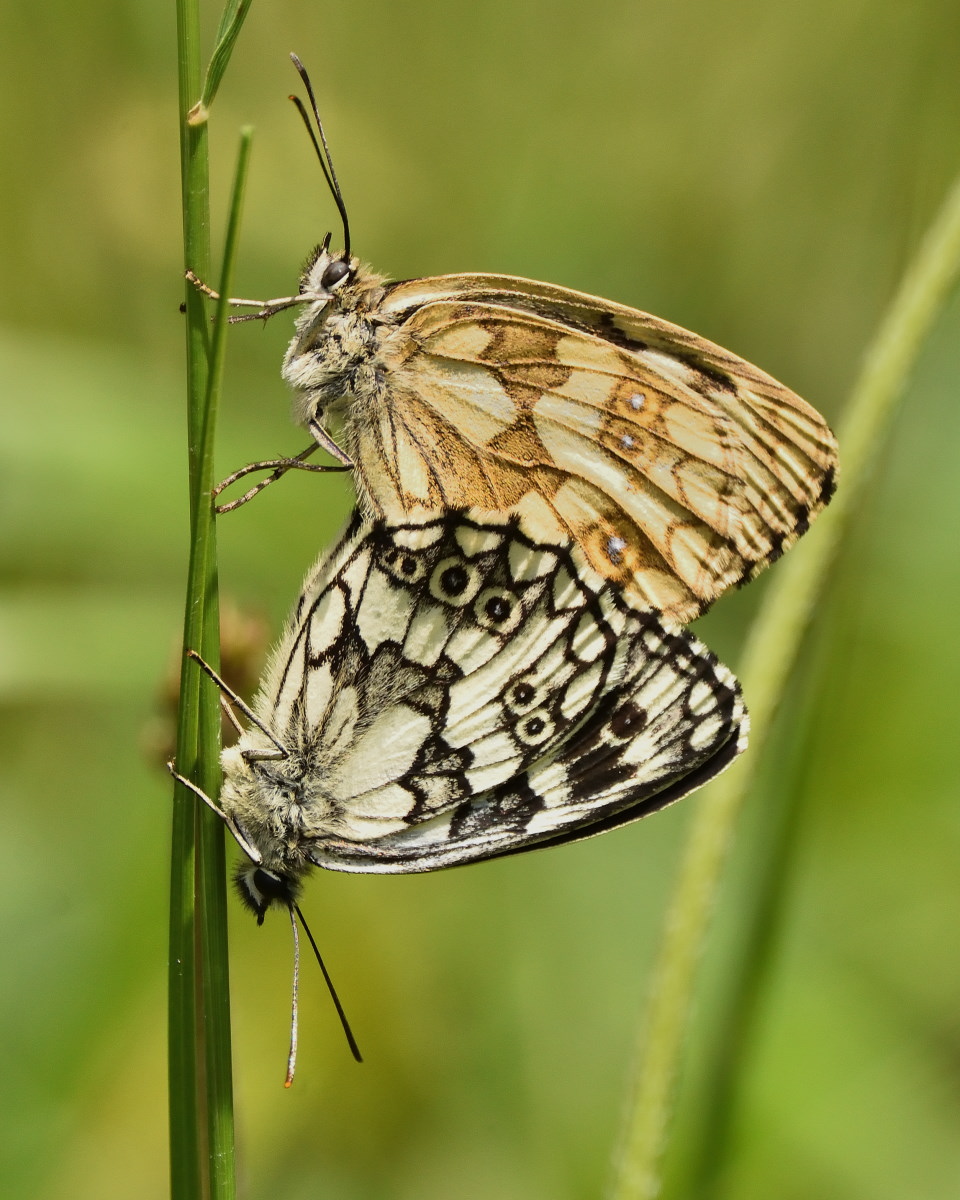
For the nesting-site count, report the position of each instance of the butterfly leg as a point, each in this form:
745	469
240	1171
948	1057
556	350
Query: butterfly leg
279	467
265	308
231	716
201	286
232	698
326	441
250	851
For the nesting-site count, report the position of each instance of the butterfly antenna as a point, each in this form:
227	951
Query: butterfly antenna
295	1006
326	160
348	1032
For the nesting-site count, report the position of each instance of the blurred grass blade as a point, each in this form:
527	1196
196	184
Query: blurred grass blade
214	973
231	22
768	659
708	1099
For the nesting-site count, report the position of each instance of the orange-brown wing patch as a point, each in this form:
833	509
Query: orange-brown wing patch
414	459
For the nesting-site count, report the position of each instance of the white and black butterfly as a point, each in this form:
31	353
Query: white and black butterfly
449	690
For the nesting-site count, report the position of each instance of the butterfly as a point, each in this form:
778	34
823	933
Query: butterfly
451	689
674	467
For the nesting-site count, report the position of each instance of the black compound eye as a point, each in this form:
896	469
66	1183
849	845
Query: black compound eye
272	887
260	887
334	274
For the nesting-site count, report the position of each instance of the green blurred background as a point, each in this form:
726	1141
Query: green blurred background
760	173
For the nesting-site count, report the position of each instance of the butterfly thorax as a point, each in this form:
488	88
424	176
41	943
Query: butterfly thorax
280	806
341	355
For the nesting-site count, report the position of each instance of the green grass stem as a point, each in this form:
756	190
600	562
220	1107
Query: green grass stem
184	1059
199	1075
214	976
231	22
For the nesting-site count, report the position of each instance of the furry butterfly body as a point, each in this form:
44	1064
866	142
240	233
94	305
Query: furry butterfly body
451	689
672	466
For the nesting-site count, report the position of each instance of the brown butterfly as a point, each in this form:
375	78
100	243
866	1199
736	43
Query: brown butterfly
676	468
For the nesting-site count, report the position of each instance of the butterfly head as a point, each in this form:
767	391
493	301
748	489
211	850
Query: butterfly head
327	276
260	800
261	888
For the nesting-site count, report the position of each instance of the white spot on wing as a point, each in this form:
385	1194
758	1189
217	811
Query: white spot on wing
672	368
474	541
464	394
341	721
384	611
703	734
382	755
702	698
581	691
408	462
427	636
318	693
326	622
471	647
527	563
591	354
354	574
288	689
459	339
418	536
576	403
567	596
588	641
501	767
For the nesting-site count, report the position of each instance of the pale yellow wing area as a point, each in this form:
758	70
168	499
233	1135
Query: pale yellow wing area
678	468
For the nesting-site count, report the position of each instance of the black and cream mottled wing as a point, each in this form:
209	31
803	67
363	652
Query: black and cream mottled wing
450	689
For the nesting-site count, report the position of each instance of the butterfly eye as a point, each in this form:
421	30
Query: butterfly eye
259	888
271	886
334	274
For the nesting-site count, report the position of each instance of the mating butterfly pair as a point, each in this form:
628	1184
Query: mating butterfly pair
491	659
